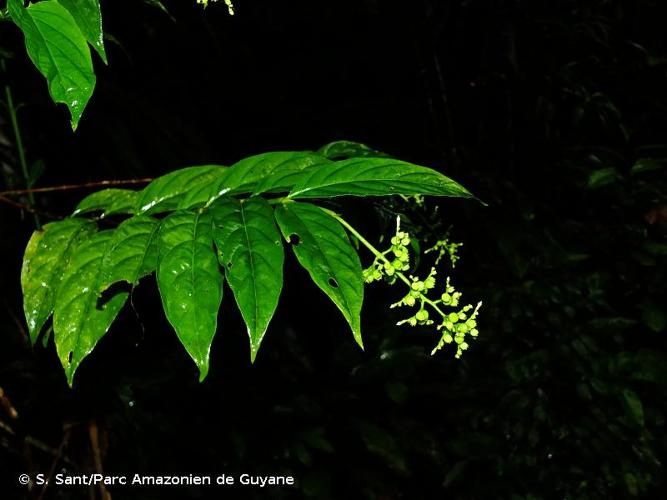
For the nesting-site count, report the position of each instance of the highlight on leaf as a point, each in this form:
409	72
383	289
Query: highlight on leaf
197	227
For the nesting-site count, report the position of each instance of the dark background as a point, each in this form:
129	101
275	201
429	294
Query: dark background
554	113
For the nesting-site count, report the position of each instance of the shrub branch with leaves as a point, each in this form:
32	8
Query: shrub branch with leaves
200	226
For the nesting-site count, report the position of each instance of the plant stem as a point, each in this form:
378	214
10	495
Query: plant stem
365	242
19	141
380	256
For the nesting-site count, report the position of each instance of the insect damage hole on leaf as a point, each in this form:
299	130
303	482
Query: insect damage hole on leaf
293	239
333	283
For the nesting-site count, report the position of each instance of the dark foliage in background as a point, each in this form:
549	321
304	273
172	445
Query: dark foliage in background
555	113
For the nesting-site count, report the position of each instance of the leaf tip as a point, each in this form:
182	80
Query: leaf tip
357	337
253	352
203	371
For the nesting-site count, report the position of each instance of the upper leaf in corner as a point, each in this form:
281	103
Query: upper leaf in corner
59	50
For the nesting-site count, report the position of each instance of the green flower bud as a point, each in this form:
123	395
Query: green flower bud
453	317
422	315
448	338
417	285
446	298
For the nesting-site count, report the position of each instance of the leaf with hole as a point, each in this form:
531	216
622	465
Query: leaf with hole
322	247
46	257
81	315
190	282
252	254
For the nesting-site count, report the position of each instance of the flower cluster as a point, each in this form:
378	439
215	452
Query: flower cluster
445	247
230	5
395	259
455	325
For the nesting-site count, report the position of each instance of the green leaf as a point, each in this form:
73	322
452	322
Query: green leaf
252	253
375	177
88	17
602	177
46	257
645	165
340	150
633	406
36	171
190	282
81	317
132	252
654	317
166	192
59	50
109	201
268	172
322	247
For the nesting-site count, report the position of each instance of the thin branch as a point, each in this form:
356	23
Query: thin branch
28	208
69	187
56	459
8	406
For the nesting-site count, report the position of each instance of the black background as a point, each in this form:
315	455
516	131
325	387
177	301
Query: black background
520	101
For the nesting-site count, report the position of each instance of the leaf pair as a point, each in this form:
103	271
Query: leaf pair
57	33
67	267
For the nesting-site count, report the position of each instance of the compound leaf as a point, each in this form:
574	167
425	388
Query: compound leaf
88	17
322	247
132	251
252	253
81	316
46	257
59	50
190	282
165	193
109	201
374	177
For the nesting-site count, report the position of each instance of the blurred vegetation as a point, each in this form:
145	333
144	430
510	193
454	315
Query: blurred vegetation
553	114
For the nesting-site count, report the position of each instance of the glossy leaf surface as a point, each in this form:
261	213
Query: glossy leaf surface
322	247
375	177
165	193
59	50
252	254
190	282
46	257
268	172
88	17
81	316
109	201
132	251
